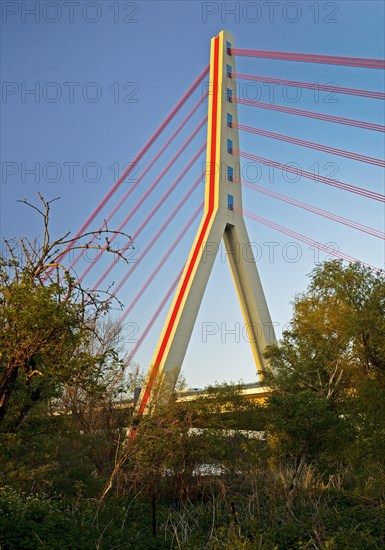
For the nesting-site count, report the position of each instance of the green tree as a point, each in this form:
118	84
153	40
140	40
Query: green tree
331	355
47	318
59	369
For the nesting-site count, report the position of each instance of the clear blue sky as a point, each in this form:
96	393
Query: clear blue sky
106	74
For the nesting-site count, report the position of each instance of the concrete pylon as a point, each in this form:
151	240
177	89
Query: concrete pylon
222	218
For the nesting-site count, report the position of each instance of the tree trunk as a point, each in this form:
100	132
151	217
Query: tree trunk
7	384
153	510
297	473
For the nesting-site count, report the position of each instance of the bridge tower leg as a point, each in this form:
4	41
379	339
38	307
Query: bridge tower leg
222	218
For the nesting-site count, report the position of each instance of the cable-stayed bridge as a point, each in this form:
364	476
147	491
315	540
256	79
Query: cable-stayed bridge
206	149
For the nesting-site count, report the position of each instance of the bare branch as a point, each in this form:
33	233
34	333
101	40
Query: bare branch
32	206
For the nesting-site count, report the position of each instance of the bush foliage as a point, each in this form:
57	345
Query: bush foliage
303	469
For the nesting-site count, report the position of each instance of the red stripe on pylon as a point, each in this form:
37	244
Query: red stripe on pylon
198	245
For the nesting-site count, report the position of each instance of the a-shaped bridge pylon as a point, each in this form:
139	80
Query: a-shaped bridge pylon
222	219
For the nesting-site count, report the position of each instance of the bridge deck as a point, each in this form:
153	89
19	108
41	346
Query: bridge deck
255	391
